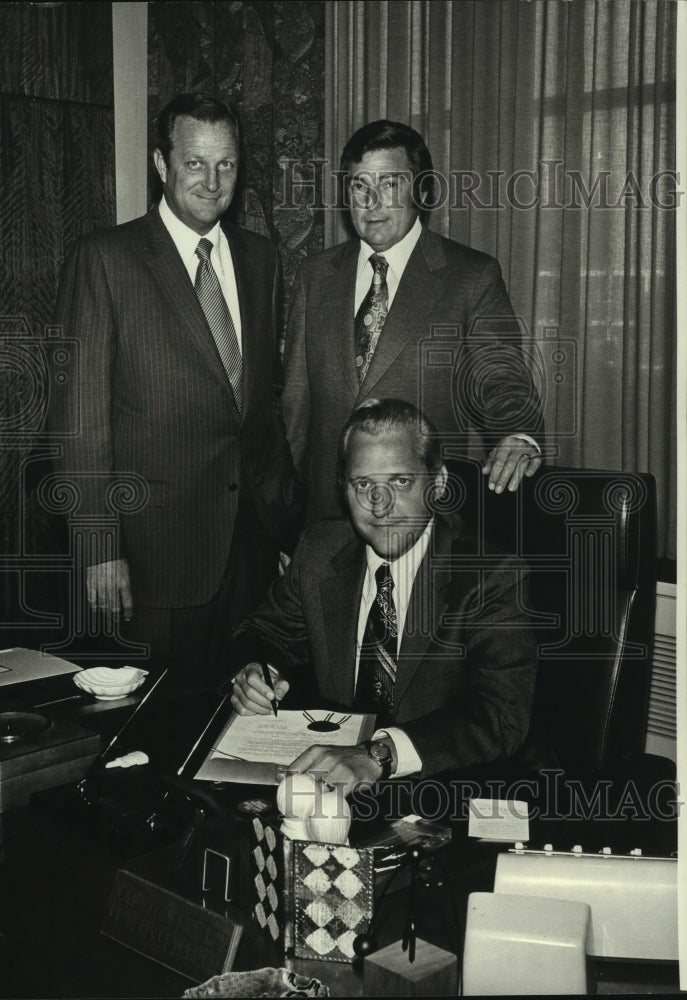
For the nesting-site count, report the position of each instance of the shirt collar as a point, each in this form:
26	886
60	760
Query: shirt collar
407	564
396	256
185	239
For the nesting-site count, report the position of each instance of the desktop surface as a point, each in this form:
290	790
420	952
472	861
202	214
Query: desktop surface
58	872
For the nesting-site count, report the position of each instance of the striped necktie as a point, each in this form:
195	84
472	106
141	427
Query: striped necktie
378	654
219	318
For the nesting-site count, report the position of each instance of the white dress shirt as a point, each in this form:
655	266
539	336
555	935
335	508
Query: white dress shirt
403	572
396	256
186	240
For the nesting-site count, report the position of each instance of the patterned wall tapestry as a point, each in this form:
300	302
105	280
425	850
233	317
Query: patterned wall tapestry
56	182
56	144
266	58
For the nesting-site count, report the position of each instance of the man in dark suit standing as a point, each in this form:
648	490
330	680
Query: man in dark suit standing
406	313
173	392
399	613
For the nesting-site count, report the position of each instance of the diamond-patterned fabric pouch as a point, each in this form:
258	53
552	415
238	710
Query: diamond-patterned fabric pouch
266	858
329	894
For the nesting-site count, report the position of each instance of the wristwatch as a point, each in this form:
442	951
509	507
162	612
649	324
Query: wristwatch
380	752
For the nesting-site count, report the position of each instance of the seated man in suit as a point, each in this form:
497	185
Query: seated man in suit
399	613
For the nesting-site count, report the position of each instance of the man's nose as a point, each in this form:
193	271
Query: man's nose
367	199
381	500
211	179
371	198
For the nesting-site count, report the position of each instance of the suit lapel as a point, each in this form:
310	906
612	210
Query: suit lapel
167	266
340	595
338	300
420	288
428	602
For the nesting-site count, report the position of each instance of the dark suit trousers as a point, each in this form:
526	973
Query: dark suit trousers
191	642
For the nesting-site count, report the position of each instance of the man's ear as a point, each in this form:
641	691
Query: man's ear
440	481
160	165
421	192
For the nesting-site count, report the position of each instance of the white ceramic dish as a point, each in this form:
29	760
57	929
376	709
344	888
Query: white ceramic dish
110	683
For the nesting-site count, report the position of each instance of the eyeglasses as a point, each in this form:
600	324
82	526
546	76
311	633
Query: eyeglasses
369	189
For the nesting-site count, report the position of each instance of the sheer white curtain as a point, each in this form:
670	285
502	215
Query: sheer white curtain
552	125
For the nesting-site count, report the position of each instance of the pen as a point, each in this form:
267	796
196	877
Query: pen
268	681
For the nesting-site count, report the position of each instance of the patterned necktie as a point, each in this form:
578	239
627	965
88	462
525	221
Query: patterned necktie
370	317
377	669
219	318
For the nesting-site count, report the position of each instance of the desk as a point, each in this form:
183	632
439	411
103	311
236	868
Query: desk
56	880
55	886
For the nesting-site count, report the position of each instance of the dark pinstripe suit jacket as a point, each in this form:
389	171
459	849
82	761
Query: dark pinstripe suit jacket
150	396
468	657
434	352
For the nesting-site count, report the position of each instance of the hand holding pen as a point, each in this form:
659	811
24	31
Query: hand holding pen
267	676
257	689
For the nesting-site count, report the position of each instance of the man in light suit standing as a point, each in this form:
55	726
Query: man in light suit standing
403	312
174	315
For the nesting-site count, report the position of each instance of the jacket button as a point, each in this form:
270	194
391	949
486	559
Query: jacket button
233	487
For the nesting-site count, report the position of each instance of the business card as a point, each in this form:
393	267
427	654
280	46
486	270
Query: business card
499	819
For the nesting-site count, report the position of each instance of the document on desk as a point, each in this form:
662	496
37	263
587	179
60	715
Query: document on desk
255	749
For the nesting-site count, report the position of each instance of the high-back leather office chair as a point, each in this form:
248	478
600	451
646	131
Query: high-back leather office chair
589	539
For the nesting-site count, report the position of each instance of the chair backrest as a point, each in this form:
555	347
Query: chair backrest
589	538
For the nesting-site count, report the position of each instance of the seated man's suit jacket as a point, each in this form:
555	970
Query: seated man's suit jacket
147	403
467	663
450	346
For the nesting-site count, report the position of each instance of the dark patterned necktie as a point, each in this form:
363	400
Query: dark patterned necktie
377	669
219	318
370	317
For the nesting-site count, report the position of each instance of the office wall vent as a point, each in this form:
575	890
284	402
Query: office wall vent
662	730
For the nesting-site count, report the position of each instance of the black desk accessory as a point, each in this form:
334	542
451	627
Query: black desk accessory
187	906
38	752
419	862
116	805
17	724
181	905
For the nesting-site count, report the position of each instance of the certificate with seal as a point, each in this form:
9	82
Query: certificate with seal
257	749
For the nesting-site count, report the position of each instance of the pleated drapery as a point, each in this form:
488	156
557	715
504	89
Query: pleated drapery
552	130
